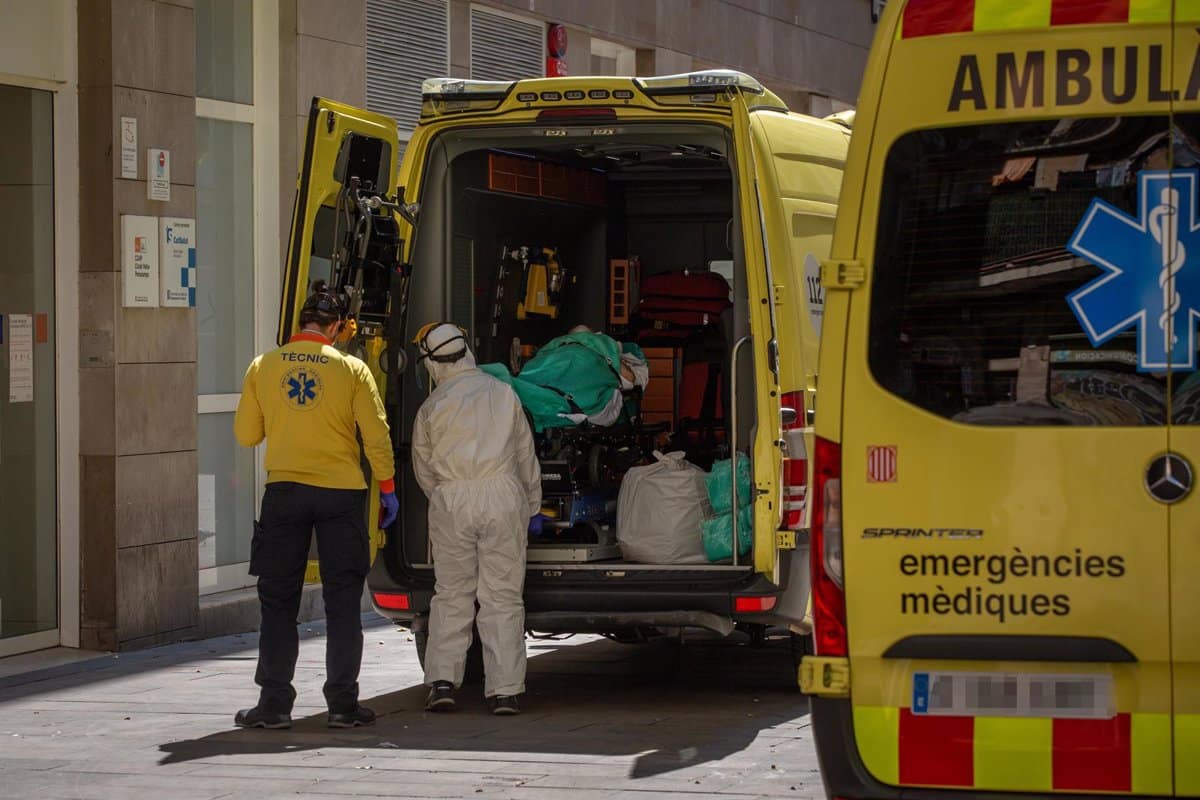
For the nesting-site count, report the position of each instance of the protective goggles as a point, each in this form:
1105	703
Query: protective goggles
326	303
438	354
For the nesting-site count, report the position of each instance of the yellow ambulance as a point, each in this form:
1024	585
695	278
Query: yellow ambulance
520	210
1006	540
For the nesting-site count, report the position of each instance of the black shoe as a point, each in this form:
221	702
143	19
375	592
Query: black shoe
441	697
504	705
361	716
258	718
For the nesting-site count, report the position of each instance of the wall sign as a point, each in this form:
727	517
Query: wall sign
158	174
177	262
139	261
129	147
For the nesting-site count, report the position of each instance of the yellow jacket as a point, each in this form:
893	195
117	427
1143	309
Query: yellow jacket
307	398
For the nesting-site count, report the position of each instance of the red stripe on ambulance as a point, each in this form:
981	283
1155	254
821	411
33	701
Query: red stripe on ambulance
936	17
936	750
1084	12
1093	755
933	17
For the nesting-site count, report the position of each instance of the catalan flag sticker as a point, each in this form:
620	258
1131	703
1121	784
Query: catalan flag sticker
881	464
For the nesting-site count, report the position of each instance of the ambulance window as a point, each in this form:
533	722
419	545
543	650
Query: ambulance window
1185	396
979	304
320	263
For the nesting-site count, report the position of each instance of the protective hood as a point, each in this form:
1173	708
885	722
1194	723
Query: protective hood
440	373
441	340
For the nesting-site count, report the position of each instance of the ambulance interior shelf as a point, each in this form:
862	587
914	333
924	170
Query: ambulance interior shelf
1025	273
1061	384
1074	357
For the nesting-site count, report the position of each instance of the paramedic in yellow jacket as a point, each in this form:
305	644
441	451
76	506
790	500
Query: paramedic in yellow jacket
309	400
473	456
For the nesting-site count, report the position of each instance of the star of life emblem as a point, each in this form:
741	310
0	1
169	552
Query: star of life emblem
1152	270
301	387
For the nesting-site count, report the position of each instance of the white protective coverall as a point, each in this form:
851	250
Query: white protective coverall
474	458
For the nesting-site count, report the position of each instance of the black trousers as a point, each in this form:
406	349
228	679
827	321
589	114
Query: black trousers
278	556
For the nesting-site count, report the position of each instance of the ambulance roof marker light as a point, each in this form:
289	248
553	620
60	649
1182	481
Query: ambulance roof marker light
843	118
465	89
708	80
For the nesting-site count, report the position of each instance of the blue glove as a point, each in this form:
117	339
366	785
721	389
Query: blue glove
535	524
391	508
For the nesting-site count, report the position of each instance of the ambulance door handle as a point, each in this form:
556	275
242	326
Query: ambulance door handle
733	440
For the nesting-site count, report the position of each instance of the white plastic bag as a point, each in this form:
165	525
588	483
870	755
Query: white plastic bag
659	512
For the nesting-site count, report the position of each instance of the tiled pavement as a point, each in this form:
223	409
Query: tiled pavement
602	720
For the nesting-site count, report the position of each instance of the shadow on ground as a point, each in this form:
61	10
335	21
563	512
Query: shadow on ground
668	706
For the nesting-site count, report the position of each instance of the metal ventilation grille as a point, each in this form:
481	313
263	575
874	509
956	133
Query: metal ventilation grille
504	48
407	42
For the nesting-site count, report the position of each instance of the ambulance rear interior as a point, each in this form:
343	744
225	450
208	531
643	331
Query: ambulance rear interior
606	204
661	193
1008	410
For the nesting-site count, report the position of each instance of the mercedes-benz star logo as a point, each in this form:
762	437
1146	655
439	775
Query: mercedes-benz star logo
1169	478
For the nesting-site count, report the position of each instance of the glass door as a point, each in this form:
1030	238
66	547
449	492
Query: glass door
28	447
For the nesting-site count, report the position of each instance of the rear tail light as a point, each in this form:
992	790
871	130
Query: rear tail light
795	466
393	602
749	605
829	598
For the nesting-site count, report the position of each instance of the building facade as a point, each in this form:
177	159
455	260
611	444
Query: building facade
145	197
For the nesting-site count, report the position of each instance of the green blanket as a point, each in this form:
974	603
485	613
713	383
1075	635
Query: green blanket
576	373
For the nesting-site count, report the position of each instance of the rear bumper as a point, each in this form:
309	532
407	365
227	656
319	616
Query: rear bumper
597	606
845	776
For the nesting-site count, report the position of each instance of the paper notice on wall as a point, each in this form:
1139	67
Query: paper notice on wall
20	358
208	521
129	148
208	503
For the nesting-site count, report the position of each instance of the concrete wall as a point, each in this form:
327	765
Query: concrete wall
801	49
138	370
322	53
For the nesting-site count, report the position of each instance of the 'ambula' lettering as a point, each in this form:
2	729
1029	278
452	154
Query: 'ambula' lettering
1070	77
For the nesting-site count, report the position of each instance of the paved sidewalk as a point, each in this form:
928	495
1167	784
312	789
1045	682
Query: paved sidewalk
602	720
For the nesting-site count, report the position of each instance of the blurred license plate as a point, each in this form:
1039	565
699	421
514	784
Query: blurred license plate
1013	694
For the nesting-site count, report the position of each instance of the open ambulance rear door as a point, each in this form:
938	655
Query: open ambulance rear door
799	162
755	380
350	230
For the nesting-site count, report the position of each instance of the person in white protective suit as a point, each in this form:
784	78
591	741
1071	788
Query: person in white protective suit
473	456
